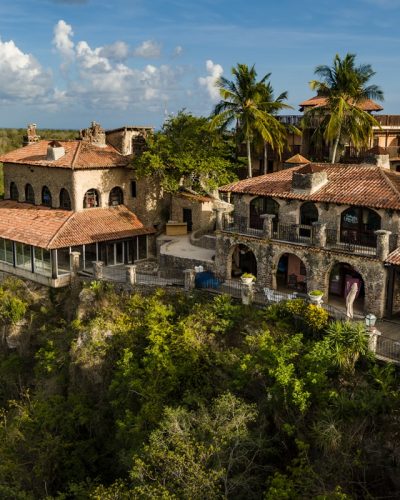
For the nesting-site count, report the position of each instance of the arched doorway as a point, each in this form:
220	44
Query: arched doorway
341	277
260	206
91	199
116	196
14	194
308	215
46	197
65	200
358	226
29	194
291	273
243	261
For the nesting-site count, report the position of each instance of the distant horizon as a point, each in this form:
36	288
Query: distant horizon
65	63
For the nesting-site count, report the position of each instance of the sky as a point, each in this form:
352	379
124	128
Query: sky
65	63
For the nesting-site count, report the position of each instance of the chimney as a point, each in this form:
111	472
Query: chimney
95	135
31	137
55	151
309	179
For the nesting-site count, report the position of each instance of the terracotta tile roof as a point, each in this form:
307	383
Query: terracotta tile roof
51	228
297	159
361	185
367	105
394	257
78	155
194	197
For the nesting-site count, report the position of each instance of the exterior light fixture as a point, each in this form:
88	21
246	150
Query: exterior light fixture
370	320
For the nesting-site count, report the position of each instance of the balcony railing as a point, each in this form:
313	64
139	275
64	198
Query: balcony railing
351	241
345	241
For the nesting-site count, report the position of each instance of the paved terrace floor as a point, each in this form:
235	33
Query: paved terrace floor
180	246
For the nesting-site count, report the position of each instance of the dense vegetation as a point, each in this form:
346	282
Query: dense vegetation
108	395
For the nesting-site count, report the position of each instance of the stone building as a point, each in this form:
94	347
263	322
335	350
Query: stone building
317	226
80	195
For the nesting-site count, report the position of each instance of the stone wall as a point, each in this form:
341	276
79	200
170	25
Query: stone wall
202	212
172	262
318	263
329	213
53	178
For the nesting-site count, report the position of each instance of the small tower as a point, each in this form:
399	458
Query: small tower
31	137
95	134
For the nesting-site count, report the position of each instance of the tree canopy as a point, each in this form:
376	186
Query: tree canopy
186	152
342	118
249	106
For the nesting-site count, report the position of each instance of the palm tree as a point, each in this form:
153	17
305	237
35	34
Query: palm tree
243	104
272	106
342	116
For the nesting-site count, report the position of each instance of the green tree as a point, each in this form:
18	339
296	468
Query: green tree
187	152
341	118
248	104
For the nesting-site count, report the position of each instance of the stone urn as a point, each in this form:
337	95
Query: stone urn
247	278
315	297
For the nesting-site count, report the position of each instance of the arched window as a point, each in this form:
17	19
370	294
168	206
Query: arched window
29	194
260	206
116	196
14	194
358	226
91	199
46	197
65	200
308	214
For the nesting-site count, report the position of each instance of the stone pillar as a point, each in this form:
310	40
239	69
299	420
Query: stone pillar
382	244
219	216
268	229
373	338
131	275
247	293
98	270
189	279
74	262
319	234
54	264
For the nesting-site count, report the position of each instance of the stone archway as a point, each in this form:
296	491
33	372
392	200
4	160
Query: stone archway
241	259
340	278
291	273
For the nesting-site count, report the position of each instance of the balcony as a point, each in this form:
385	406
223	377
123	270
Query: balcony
343	241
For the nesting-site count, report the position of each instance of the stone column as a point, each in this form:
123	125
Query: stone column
219	218
74	262
247	293
373	338
98	270
268	228
189	279
131	275
382	244
319	234
54	264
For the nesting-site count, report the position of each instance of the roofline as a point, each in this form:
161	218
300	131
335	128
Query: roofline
130	127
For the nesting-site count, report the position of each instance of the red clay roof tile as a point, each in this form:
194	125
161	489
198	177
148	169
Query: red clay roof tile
78	155
367	105
53	228
362	185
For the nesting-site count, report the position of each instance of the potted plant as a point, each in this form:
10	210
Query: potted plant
316	296
247	278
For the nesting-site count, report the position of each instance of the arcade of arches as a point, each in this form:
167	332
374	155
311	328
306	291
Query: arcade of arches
299	268
243	261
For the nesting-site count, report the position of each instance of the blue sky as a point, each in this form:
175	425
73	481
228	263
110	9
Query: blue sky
64	63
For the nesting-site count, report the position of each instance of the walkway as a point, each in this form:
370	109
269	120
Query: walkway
180	247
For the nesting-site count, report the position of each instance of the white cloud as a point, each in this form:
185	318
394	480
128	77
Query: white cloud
178	50
62	39
148	49
215	72
117	51
21	76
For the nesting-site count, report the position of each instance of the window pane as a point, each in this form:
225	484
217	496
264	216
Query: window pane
2	250
9	251
142	247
